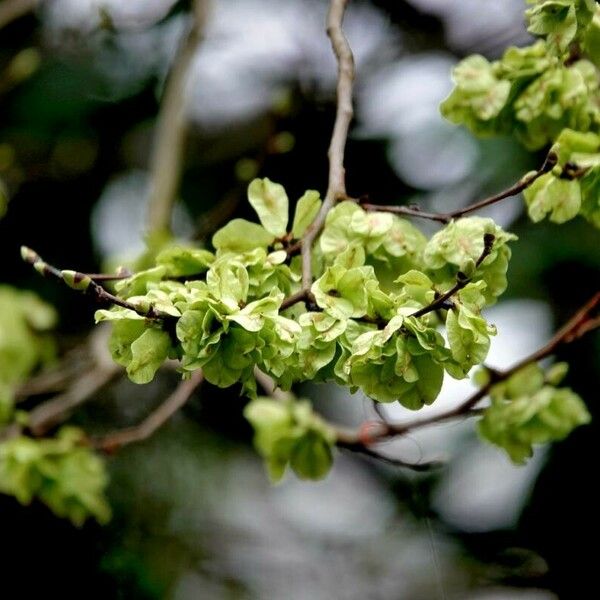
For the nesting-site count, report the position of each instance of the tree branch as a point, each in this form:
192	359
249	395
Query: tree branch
57	379
336	187
11	10
267	383
155	420
121	274
375	431
579	324
461	280
513	190
50	413
94	371
84	283
419	467
170	136
303	294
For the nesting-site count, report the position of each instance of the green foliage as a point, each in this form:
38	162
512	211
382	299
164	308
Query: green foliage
528	92
381	290
148	352
288	432
528	409
456	248
240	235
24	343
544	93
560	198
61	472
270	202
374	271
371	326
591	39
227	317
573	186
557	20
468	332
306	210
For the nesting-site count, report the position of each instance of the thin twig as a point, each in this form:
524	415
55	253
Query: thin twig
155	420
50	413
45	383
56	380
302	295
582	322
99	371
407	211
118	276
91	370
419	467
11	10
81	358
513	190
337	183
84	283
578	325
166	161
267	383
461	280
336	187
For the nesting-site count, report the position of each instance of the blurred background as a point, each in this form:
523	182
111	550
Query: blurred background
81	83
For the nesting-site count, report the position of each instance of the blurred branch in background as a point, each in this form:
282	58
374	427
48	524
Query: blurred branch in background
58	409
11	10
155	420
78	386
169	139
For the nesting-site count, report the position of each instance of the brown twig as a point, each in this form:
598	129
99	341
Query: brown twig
46	383
267	383
419	467
461	280
50	413
11	10
85	370
302	295
59	378
118	276
578	325
513	190
336	187
84	283
407	211
372	432
98	372
155	420
166	161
